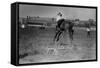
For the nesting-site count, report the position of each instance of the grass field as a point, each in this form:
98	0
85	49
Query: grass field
36	45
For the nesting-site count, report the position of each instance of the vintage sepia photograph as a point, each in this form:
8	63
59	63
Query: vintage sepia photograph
56	33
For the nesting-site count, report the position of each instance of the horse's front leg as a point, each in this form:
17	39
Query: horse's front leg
59	34
56	35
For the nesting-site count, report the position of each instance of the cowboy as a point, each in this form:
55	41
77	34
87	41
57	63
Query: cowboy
88	29
71	30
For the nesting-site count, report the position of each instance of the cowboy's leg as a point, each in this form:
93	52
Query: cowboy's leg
88	33
70	38
72	34
72	31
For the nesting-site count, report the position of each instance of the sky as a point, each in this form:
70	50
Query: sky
51	11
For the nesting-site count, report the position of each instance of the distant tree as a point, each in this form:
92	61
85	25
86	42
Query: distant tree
91	22
77	19
37	16
48	24
53	19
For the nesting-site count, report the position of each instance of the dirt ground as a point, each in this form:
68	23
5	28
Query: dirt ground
36	45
